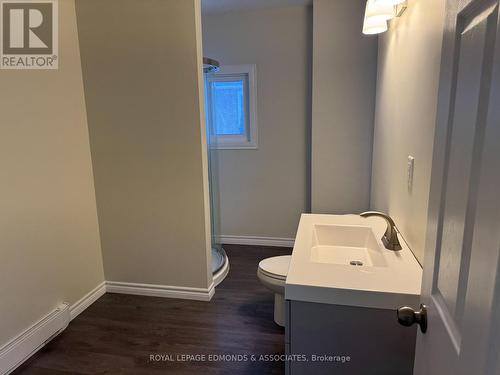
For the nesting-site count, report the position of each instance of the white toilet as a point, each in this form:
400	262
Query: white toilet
272	273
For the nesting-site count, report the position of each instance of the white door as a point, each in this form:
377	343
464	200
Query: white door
461	285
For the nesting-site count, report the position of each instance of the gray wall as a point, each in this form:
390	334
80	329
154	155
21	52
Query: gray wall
141	63
264	191
49	235
408	78
344	81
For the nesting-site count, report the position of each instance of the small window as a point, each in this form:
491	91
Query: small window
231	112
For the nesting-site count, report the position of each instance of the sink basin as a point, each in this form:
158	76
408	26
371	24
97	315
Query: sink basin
341	260
346	245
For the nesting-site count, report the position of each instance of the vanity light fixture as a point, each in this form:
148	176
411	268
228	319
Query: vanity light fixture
373	26
389	2
399	5
379	12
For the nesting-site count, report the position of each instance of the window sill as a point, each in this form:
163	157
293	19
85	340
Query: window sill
249	146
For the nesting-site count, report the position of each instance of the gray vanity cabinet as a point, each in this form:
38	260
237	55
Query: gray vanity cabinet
346	340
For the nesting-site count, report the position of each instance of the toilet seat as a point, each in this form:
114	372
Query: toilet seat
275	267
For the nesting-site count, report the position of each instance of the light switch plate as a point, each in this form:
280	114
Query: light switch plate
410	168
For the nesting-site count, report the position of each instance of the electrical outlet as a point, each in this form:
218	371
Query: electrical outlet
409	171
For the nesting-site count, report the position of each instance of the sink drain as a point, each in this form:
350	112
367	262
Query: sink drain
356	263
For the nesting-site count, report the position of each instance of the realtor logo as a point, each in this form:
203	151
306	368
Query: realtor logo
29	37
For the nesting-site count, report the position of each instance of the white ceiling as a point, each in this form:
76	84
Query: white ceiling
216	6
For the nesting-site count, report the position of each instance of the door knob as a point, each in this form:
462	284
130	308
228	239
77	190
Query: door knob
408	317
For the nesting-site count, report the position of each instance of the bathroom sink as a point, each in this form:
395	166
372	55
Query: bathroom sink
346	245
340	259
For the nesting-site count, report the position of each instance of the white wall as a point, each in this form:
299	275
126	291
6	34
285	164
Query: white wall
344	84
49	235
264	191
142	64
408	77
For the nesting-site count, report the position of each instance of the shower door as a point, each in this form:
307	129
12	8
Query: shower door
218	254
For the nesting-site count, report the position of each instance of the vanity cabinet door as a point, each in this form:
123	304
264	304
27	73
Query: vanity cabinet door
348	340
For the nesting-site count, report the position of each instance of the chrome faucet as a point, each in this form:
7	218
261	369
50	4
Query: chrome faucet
390	237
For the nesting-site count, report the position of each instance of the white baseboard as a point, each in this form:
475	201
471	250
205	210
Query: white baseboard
259	241
79	306
166	291
28	342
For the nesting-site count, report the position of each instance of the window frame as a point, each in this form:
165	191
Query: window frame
231	73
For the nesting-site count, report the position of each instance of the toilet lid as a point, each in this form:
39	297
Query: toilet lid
276	267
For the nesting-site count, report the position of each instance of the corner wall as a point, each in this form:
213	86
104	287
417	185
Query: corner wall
49	236
408	79
142	71
344	83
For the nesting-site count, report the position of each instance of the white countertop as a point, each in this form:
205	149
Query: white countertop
395	284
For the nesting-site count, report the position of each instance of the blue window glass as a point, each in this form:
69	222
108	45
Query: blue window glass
228	101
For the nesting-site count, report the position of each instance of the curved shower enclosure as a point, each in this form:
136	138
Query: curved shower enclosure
220	261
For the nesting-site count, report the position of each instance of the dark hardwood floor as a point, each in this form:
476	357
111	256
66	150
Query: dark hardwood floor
119	333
